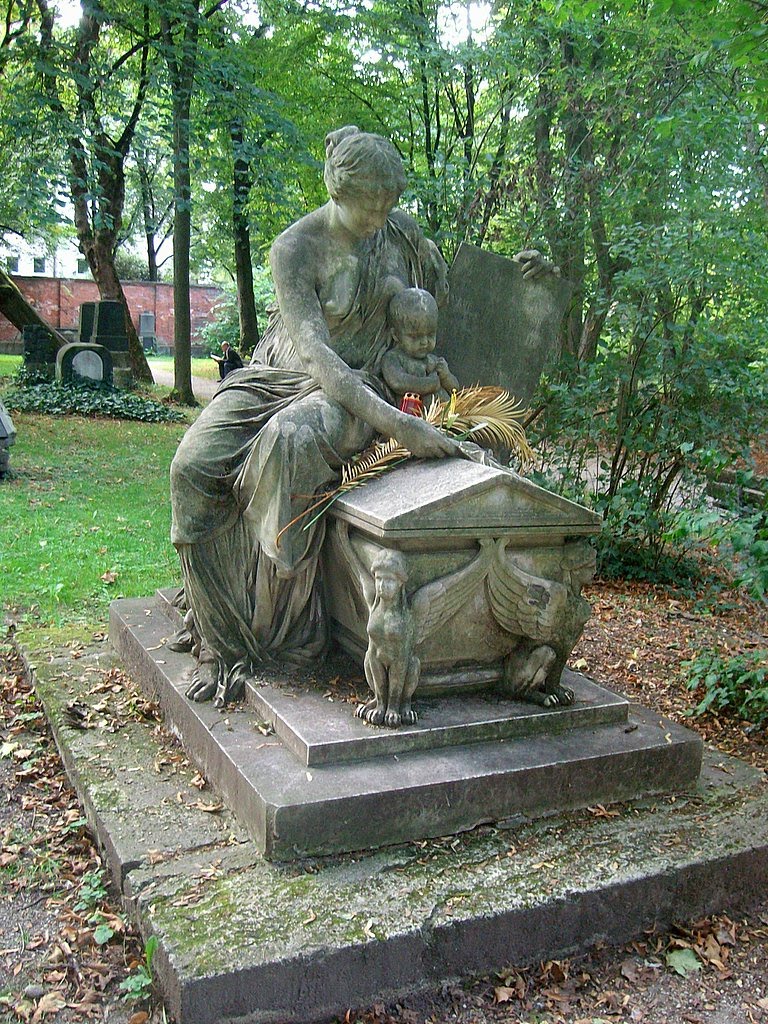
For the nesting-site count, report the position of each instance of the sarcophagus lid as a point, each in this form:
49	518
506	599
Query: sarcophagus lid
435	500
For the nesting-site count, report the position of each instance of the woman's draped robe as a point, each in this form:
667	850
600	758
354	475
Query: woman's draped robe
254	460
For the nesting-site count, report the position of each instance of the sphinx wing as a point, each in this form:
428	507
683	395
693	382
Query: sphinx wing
434	603
523	603
354	563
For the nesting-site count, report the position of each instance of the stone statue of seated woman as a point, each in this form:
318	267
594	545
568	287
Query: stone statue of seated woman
277	431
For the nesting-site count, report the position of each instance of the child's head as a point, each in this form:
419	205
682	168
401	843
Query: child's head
412	316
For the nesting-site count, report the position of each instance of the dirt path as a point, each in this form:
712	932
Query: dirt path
202	388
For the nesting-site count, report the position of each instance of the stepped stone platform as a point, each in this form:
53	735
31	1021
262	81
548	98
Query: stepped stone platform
242	940
327	783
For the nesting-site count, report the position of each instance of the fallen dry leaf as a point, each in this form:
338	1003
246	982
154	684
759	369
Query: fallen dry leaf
51	1002
212	808
503	994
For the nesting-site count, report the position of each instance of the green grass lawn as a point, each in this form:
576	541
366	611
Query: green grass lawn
10	364
85	517
200	367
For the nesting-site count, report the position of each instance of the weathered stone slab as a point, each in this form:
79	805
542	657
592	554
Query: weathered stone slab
428	502
322	731
245	941
140	805
293	811
498	328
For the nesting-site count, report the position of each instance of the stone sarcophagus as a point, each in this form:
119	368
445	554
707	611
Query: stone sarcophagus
489	568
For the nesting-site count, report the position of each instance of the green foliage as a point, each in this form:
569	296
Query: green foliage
224	324
137	987
86	399
740	539
636	432
93	891
735	684
130	267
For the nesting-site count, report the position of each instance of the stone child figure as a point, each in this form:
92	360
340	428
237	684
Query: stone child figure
411	367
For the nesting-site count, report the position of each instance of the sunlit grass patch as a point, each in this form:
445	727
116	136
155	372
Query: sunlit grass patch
85	517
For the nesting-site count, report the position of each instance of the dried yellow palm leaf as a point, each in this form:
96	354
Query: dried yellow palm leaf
488	416
374	460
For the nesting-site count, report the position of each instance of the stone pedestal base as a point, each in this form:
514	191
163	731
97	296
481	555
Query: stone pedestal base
307	778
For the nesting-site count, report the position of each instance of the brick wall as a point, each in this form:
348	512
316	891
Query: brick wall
58	301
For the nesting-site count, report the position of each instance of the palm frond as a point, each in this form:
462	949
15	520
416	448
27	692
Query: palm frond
487	415
370	463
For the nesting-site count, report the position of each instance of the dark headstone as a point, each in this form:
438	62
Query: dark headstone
109	326
497	328
84	362
39	345
87	318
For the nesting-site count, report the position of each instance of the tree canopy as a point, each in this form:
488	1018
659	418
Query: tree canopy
625	138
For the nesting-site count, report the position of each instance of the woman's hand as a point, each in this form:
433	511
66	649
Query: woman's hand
423	440
532	264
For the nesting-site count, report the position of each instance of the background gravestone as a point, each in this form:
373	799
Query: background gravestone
109	326
102	327
147	331
85	362
497	328
87	317
7	438
39	350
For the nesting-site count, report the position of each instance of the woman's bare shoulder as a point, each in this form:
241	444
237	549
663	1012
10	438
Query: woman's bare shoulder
405	221
302	239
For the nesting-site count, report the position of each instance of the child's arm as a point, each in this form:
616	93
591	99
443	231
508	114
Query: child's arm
400	381
447	380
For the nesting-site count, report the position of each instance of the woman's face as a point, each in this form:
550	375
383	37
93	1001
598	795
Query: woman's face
364	215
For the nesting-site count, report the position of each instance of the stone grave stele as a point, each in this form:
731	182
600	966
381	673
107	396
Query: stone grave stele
7	438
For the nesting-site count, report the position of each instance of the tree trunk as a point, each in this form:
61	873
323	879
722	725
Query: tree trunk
14	307
181	57
572	246
242	182
182	236
148	218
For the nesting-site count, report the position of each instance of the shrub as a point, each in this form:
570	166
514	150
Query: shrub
737	684
87	399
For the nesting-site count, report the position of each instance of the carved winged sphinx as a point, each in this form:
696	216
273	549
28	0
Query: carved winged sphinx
397	625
